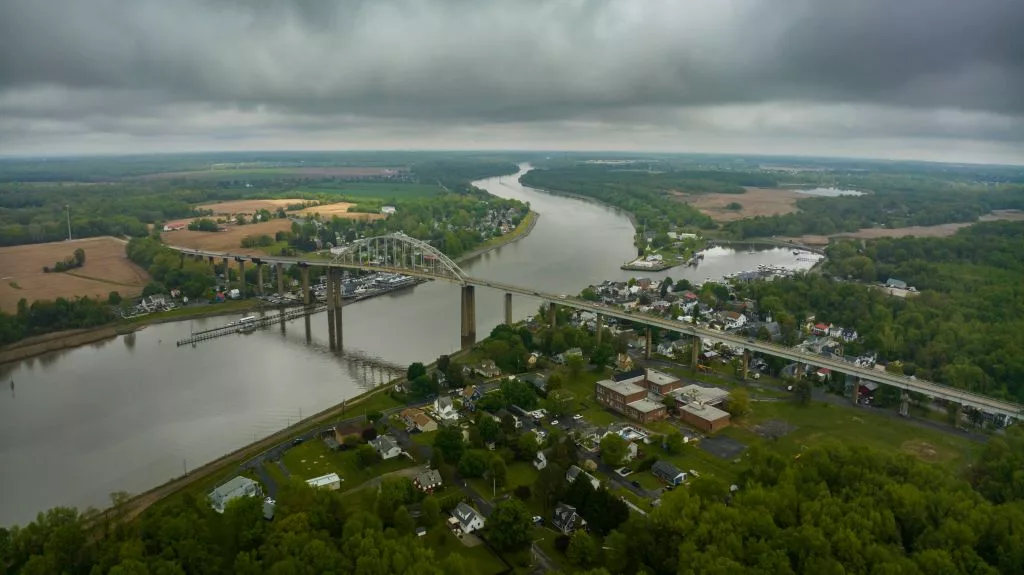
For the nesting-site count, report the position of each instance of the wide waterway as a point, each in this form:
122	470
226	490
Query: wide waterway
133	412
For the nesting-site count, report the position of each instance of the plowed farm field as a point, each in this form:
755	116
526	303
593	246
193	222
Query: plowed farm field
106	269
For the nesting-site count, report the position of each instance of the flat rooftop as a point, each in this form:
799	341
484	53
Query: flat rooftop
324	480
705	412
658	378
646	405
694	393
621	387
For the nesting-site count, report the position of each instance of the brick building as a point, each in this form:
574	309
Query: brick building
629	399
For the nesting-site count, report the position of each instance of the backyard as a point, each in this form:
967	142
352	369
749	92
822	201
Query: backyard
313	459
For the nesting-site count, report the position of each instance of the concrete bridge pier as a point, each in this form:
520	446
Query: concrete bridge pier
279	270
305	287
600	327
468	316
338	303
259	279
508	308
330	309
227	274
241	277
746	363
647	348
904	403
552	314
309	331
855	390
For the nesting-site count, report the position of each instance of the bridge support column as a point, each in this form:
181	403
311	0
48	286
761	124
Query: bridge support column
305	285
309	331
647	348
552	314
338	303
227	275
854	389
904	403
279	270
599	328
695	352
468	316
259	279
241	277
508	308
330	309
746	364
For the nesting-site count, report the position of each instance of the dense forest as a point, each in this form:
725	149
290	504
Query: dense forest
833	509
45	316
966	326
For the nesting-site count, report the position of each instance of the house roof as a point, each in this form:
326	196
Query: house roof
665	469
705	412
323	480
734	315
421	419
384	443
659	378
468	391
820	326
694	393
233	488
429	478
444	402
620	387
464	513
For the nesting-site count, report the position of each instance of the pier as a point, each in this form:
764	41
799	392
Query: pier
250	326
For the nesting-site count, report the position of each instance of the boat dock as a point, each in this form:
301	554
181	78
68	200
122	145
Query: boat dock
251	325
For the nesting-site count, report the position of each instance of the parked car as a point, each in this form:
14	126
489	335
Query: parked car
537	520
577	417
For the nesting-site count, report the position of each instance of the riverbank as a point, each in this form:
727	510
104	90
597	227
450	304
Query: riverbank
522	230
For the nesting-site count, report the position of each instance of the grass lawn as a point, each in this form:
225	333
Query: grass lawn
443	543
518	473
313	459
382	191
426	438
378	402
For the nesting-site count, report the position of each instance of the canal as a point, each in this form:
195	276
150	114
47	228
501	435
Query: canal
132	412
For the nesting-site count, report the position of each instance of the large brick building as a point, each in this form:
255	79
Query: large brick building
629	399
651	380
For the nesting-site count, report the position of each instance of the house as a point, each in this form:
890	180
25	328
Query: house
487	369
428	481
415	419
468	518
632	451
895	283
387	210
849	334
330	481
537	380
707	418
233	489
386	446
667	472
421	531
269	506
575	472
734	320
628	399
470	393
835	331
566	519
819	329
540	461
445	409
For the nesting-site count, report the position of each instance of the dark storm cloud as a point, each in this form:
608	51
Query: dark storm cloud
137	65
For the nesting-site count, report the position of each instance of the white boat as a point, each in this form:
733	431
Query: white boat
247	319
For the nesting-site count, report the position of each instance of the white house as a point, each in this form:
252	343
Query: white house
444	408
386	446
387	210
575	472
234	489
734	320
330	481
468	518
540	461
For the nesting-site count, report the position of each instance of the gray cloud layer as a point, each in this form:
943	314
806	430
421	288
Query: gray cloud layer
83	75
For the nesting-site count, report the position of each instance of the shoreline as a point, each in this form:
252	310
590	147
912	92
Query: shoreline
527	225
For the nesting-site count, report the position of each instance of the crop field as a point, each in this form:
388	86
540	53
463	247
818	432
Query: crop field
228	241
249	206
755	202
382	191
340	209
106	269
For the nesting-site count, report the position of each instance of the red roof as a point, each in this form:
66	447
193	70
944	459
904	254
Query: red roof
820	326
824	371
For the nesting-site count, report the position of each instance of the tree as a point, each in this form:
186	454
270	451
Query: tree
526	446
443	363
403	521
583	549
575	364
79	257
509	527
449	443
374	416
674	443
489	429
666	287
589	294
114	298
415	370
423	386
473	463
739	402
367	455
431	511
498	471
559	402
803	389
614	449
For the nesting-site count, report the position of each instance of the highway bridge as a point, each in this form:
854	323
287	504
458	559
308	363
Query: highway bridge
400	254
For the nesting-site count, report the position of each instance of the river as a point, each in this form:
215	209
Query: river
132	412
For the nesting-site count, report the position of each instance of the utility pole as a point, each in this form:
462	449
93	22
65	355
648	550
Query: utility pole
68	208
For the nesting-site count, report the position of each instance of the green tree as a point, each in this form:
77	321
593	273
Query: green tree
473	463
575	364
367	455
674	442
583	550
509	527
527	446
739	402
423	386
431	511
415	370
614	449
498	472
449	443
403	521
114	298
803	389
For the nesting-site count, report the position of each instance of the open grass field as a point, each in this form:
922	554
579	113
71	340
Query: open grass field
106	269
249	206
755	202
229	241
313	459
340	209
227	172
939	231
380	191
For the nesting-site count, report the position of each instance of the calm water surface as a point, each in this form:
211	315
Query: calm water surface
133	412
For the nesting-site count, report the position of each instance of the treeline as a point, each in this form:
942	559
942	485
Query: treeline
76	260
169	270
966	326
893	202
45	316
456	174
646	196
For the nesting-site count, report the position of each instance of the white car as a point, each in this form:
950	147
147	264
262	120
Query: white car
577	417
554	422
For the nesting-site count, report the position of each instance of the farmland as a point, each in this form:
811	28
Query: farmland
249	206
339	209
106	269
227	241
755	202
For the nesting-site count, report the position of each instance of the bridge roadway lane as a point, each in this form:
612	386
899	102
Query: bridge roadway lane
975	400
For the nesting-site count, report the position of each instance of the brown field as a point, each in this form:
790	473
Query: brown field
339	209
939	231
248	206
755	202
106	269
229	241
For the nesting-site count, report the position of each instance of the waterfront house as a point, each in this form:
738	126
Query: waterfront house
895	283
231	490
487	369
330	481
414	418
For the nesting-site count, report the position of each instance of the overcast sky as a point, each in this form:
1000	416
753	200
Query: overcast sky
926	79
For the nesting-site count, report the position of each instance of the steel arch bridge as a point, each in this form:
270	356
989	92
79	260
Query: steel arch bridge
400	254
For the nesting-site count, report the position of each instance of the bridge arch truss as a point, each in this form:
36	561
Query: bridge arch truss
401	254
